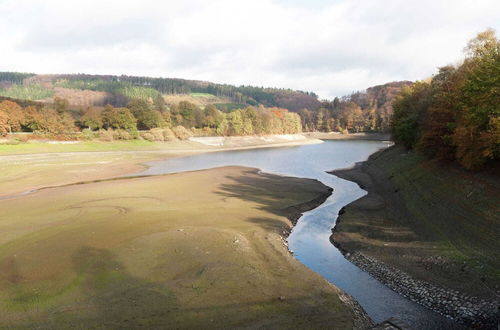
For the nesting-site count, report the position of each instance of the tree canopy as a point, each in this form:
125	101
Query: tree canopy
457	114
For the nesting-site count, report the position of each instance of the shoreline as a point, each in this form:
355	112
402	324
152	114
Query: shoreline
173	147
105	166
374	136
461	307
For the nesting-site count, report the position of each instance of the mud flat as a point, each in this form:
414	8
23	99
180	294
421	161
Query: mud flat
194	249
36	165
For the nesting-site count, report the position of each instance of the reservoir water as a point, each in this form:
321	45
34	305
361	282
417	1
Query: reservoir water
310	237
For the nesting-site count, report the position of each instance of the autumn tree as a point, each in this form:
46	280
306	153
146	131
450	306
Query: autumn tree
409	111
477	136
13	116
61	105
146	116
92	119
213	117
457	115
118	118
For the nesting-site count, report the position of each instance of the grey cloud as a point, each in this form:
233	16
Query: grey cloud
125	32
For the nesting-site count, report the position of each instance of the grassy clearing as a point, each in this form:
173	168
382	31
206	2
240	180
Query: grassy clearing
197	249
439	223
200	99
30	92
203	95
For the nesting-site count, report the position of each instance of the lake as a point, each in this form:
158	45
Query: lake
309	239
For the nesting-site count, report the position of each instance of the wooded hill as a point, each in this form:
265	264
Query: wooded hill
367	111
118	90
370	110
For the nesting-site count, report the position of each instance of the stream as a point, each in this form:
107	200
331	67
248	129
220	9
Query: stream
309	239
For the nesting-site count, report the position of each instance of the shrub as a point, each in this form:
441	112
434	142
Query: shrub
121	134
182	133
88	134
147	136
106	135
157	134
168	135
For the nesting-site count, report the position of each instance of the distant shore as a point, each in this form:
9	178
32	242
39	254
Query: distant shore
32	166
376	136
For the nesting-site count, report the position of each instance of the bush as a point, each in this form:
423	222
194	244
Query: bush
147	136
157	134
106	135
121	134
88	134
168	135
205	131
182	133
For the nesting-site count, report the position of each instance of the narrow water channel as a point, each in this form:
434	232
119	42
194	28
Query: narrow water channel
310	237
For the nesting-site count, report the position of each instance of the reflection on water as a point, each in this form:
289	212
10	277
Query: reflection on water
310	237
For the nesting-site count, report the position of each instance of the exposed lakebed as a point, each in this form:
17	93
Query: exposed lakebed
309	239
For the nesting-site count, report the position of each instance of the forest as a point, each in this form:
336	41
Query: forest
365	111
123	88
369	111
455	116
140	118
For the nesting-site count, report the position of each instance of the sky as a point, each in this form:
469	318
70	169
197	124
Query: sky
330	47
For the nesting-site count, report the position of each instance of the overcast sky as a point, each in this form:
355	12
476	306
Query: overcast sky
329	47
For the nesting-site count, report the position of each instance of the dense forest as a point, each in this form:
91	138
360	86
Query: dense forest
456	114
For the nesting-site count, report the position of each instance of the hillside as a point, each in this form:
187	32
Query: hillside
98	90
364	111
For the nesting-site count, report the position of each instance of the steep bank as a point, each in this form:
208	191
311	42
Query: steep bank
437	224
188	250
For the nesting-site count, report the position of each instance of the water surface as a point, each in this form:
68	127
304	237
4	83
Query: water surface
310	237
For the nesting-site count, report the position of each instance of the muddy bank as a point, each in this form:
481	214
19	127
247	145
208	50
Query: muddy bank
386	234
296	211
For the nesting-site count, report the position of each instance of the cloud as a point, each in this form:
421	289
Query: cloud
329	47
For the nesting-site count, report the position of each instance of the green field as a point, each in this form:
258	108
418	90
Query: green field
192	250
206	95
30	92
438	222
